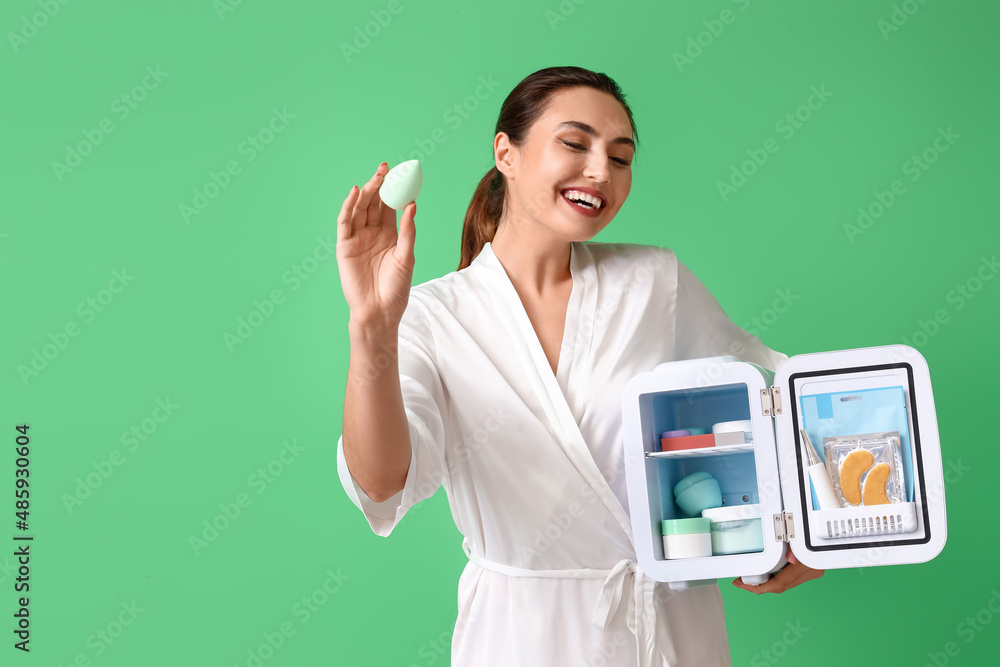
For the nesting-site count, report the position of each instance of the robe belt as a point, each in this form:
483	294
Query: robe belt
625	582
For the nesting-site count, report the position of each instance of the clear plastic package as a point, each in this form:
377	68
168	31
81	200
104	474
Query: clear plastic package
866	469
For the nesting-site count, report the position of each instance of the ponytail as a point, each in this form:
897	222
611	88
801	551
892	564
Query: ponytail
483	216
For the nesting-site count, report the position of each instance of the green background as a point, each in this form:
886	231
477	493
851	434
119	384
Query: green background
62	235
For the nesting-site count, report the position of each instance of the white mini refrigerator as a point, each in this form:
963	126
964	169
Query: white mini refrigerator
836	457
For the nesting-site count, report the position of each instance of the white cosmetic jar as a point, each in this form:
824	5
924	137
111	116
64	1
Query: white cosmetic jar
686	538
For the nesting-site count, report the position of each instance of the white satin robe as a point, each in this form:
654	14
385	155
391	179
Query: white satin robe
532	462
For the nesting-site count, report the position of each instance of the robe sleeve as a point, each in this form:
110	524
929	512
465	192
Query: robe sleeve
702	328
424	403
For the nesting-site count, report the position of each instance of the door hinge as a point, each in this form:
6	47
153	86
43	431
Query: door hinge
784	527
770	400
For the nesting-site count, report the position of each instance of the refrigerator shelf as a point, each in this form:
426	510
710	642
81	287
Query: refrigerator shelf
703	451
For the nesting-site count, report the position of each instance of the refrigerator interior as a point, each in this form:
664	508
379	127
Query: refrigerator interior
734	466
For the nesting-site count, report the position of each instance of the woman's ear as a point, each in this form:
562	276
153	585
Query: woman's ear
503	154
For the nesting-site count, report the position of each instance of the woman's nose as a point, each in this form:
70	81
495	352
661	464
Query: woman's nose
597	167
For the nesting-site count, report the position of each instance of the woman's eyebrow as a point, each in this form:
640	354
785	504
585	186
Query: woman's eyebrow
577	125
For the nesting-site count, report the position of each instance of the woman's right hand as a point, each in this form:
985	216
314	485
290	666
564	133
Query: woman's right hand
375	262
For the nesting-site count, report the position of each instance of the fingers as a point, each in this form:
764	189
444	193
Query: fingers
407	235
387	216
787	577
366	208
374	212
363	207
345	228
772	585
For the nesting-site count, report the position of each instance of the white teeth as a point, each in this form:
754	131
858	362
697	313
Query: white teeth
583	196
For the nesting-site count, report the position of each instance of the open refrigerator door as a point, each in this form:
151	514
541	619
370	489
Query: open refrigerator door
860	457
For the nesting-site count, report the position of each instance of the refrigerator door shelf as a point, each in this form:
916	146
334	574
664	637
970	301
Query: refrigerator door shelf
833	526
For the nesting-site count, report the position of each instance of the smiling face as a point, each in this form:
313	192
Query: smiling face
580	149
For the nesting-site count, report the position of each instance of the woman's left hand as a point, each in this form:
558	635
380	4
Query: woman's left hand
790	576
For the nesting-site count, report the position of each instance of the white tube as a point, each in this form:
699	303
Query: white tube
824	489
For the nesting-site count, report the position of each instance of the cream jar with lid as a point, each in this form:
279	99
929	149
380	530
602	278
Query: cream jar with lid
736	529
686	538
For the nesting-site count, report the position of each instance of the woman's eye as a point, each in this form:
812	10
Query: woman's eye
619	160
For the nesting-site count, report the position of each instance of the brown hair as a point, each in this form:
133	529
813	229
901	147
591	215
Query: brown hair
522	107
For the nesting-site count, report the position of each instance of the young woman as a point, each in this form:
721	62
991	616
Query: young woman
502	382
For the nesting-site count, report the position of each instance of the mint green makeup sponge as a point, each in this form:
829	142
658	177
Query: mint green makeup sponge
402	184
